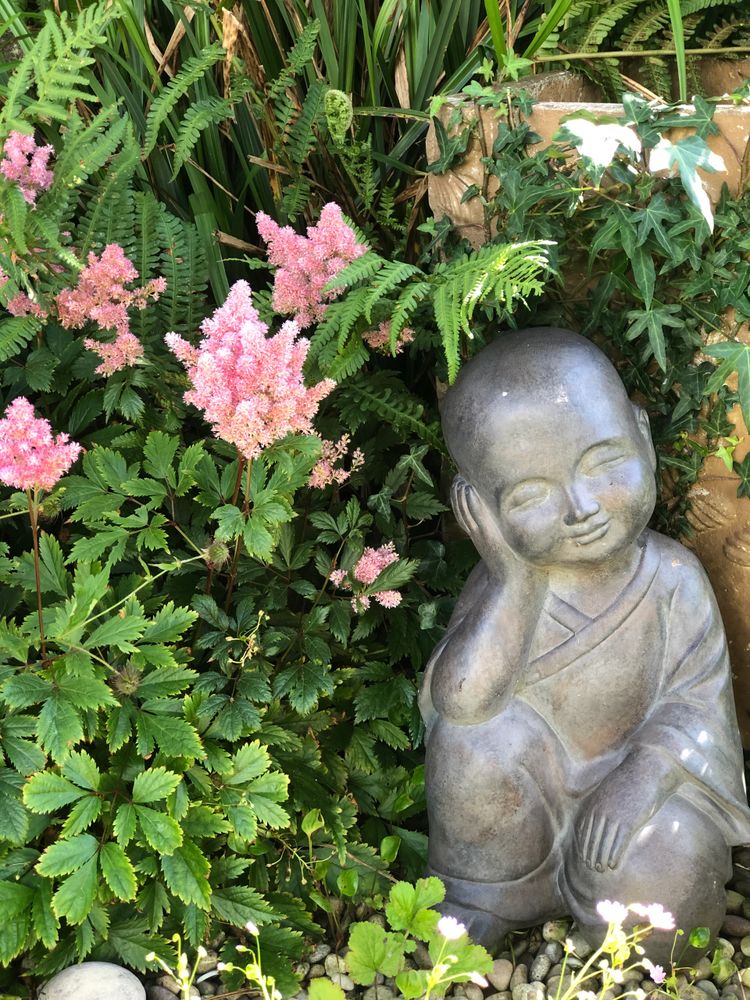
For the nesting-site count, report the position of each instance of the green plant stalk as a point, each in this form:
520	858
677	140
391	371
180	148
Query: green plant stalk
571	56
238	543
33	517
678	33
496	28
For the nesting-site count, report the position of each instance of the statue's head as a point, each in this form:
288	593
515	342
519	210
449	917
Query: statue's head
540	427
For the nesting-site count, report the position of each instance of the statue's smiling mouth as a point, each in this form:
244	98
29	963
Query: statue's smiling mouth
591	533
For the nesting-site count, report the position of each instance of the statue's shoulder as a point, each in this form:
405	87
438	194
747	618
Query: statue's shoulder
679	568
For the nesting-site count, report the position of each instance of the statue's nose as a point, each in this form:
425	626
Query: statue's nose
581	506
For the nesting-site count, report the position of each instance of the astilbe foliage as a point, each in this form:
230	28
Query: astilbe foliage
100	297
26	164
249	385
305	264
31	458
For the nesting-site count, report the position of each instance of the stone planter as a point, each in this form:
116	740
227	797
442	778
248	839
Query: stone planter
721	520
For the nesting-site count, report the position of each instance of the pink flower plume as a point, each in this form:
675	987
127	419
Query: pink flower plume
25	163
249	386
30	458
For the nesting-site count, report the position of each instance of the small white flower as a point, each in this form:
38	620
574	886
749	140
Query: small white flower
612	912
201	951
656	915
478	980
450	928
586	995
253	928
617	975
151	957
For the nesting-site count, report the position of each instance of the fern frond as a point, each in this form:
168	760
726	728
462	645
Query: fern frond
349	359
643	27
108	217
301	137
165	102
723	33
15	333
384	395
405	307
361	269
210	111
295	198
58	78
299	56
182	263
16	210
392	274
504	272
603	25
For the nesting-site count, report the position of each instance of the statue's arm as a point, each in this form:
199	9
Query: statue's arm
476	671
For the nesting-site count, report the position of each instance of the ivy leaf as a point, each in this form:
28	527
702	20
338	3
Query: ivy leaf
66	856
154	784
737	355
373	950
47	791
653	321
645	274
688	156
186	873
159	830
742	470
118	871
75	897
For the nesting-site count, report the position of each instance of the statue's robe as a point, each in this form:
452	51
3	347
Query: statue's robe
650	671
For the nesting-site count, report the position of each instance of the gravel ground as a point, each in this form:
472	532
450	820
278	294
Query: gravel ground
531	971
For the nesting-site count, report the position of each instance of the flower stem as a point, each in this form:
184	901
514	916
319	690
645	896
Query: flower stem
245	511
33	512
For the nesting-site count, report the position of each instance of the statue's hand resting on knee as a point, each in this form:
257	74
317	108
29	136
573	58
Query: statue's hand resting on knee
621	806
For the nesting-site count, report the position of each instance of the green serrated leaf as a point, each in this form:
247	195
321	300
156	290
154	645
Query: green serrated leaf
47	791
372	950
66	856
118	871
75	897
154	784
159	830
186	873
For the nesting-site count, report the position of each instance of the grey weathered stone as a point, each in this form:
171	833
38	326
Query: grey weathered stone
341	979
520	976
735	926
691	993
539	968
553	950
636	710
702	969
93	981
734	901
168	982
708	988
156	992
317	971
334	964
500	977
378	993
319	952
421	956
473	992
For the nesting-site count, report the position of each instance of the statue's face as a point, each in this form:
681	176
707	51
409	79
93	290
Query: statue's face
575	477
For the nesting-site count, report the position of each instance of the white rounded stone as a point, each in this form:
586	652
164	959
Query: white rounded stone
93	981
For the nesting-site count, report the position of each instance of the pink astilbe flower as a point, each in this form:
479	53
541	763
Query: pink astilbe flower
380	339
305	264
249	386
25	163
22	305
366	570
325	473
372	562
30	458
100	297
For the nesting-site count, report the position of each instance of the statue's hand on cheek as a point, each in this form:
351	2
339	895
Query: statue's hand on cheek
480	524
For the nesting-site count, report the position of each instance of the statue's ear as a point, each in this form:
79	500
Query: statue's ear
463	501
644	429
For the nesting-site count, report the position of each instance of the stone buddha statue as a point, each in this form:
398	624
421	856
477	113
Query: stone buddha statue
582	743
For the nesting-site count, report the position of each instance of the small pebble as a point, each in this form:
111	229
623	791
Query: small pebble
341	979
555	930
500	977
745	945
610	994
555	982
320	952
554	951
376	918
540	968
702	969
578	944
169	983
708	987
502	995
732	991
648	986
207	988
735	926
725	947
745	977
535	991
746	908
520	977
632	975
317	971
302	995
473	992
690	993
378	993
335	965
158	993
734	901
301	969
421	956
519	992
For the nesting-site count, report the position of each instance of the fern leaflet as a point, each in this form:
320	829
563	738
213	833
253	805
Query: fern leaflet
164	104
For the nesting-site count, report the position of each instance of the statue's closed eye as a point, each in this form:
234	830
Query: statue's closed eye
526	496
600	460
